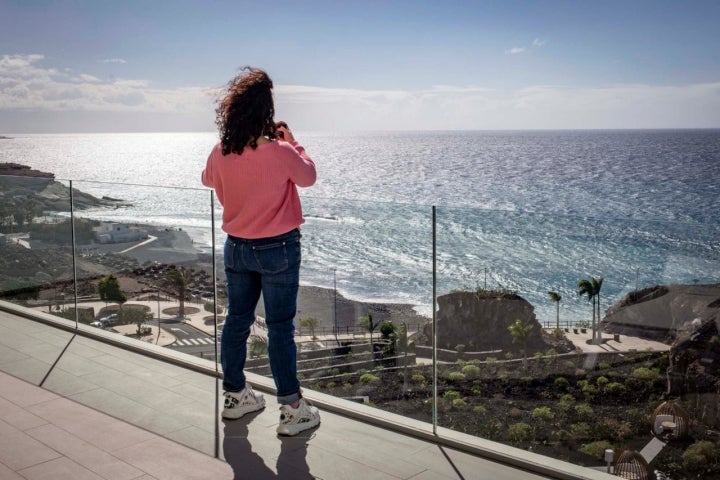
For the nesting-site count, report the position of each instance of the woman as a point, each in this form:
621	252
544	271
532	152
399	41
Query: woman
255	170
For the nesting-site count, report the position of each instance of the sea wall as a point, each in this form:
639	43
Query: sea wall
668	310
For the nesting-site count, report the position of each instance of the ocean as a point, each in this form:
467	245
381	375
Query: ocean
530	211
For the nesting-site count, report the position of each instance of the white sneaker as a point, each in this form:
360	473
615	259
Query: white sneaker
239	403
295	420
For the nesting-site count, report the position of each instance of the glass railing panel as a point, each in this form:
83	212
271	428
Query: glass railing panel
364	301
528	358
146	262
36	270
36	262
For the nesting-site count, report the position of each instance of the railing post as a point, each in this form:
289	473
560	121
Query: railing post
74	254
215	320
214	274
434	321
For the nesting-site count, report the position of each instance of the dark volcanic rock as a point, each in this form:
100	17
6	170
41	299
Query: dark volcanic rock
481	321
18	170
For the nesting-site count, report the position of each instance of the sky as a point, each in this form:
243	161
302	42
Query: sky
158	65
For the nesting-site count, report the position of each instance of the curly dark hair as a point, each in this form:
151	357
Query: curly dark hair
246	111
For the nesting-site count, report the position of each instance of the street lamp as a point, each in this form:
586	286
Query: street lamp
335	325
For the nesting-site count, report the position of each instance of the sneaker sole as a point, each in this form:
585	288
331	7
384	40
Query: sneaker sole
292	430
235	413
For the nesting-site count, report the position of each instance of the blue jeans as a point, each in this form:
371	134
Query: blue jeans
271	266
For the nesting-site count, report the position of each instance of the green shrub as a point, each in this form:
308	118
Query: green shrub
471	371
369	378
601	382
491	360
347	386
418	378
387	329
615	388
451	395
330	385
580	431
584	410
456	376
648	374
519	432
596	449
543	414
561	382
334	371
603	366
480	410
458	403
699	455
589	392
476	390
567	401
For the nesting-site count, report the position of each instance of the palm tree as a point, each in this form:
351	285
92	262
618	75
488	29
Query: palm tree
366	322
597	285
591	288
555	297
309	323
178	279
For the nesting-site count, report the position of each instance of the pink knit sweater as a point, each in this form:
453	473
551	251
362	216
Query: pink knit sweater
258	188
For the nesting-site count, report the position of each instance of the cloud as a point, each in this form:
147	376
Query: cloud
25	84
536	43
113	60
85	78
474	107
40	93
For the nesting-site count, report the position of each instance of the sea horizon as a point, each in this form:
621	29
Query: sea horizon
534	209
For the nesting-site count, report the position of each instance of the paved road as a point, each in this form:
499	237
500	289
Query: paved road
191	341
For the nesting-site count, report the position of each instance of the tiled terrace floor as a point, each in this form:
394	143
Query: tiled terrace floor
108	413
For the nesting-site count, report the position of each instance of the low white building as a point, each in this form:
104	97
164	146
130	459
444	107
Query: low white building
119	233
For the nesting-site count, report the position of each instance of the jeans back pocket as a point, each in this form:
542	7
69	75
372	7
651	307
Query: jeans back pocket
272	257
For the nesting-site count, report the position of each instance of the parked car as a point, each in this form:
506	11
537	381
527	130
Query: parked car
108	320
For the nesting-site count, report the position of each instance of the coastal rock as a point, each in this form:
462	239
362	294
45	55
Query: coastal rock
19	170
481	321
23	186
660	312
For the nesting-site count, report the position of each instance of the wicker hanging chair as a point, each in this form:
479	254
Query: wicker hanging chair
632	466
670	421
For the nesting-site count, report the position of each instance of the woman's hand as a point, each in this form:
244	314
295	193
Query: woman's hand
283	132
